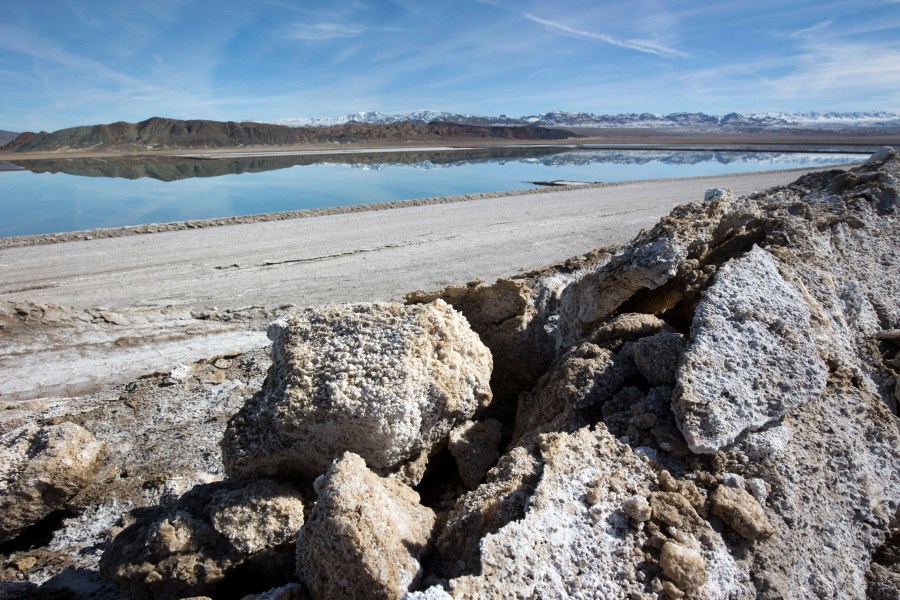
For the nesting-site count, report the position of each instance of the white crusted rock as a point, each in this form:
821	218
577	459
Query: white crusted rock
646	265
364	536
882	154
290	591
751	358
573	540
637	508
724	194
385	381
41	468
259	515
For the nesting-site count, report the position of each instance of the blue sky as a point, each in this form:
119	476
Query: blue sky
74	62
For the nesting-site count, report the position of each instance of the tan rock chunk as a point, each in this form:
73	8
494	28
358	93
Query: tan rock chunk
674	510
741	512
385	381
584	376
475	446
627	327
41	468
657	356
365	535
214	531
684	566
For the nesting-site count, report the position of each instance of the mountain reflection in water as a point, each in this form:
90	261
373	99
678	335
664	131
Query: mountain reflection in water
166	168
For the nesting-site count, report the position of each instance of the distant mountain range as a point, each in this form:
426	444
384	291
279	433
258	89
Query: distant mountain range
695	120
160	134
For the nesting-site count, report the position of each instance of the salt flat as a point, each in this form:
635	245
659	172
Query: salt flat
359	256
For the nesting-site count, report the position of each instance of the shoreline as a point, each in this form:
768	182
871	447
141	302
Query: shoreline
619	139
150	228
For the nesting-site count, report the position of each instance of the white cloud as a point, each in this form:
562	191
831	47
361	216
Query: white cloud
649	46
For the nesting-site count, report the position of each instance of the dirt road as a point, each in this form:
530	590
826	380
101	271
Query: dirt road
364	256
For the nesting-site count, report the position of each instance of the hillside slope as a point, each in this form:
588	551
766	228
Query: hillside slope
7	136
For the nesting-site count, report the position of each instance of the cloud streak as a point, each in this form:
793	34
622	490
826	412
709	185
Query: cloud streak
646	46
805	32
321	32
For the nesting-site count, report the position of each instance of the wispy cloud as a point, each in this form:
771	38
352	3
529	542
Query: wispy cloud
30	44
822	73
649	46
827	69
806	31
319	32
324	31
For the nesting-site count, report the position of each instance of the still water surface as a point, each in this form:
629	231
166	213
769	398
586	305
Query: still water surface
71	195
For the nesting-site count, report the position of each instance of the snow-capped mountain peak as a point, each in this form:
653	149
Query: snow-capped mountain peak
694	120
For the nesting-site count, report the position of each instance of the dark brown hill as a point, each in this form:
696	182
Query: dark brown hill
163	134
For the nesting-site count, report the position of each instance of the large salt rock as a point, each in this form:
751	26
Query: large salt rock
573	538
365	535
646	265
751	358
661	269
217	537
385	381
42	468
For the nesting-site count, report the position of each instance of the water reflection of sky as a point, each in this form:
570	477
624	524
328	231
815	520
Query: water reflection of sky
45	202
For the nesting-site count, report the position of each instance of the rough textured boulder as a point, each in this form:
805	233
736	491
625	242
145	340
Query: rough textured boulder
365	535
597	296
228	536
42	468
586	375
657	357
752	357
385	381
511	317
662	271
